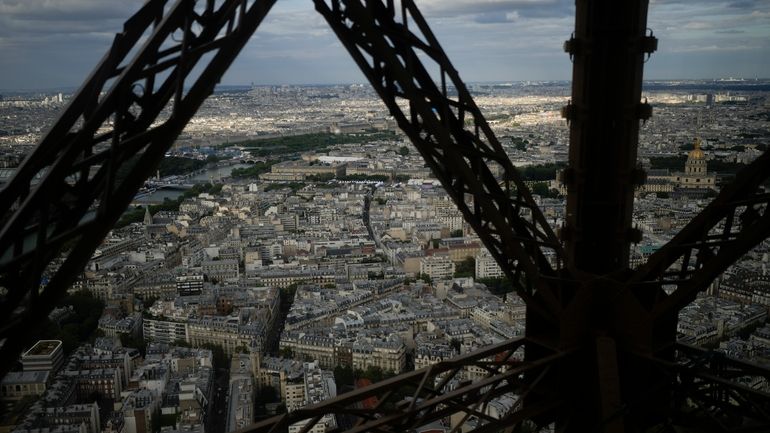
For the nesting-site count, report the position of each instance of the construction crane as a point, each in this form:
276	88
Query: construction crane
600	351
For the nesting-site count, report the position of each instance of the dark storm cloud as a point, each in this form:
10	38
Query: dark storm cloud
79	13
49	43
31	20
745	4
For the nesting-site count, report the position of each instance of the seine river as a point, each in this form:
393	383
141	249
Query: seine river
208	175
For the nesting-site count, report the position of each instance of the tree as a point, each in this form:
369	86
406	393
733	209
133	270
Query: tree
403	151
542	172
542	189
76	329
343	376
155	423
497	286
286	352
127	340
149	301
375	275
466	268
456	233
426	278
265	394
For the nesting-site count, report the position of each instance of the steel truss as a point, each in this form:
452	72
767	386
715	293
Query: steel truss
729	227
718	394
418	398
397	51
110	138
600	352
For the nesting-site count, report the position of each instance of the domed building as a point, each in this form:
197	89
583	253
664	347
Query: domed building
696	176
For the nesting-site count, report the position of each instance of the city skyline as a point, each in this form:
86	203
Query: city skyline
506	257
515	40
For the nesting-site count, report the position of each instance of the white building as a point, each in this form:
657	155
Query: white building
437	267
486	266
318	385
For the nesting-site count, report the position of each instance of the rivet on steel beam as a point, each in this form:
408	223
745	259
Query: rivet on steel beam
568	112
572	45
644	111
649	44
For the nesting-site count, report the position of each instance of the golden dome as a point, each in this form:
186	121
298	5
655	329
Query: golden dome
696	153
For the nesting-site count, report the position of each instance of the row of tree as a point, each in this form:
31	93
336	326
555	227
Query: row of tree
136	213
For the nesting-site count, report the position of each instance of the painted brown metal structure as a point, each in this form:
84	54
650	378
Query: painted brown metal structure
600	351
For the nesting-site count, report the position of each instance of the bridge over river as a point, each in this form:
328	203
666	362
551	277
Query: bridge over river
172	187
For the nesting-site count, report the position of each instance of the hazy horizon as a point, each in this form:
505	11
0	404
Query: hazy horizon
51	45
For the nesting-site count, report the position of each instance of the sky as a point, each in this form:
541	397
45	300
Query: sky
47	44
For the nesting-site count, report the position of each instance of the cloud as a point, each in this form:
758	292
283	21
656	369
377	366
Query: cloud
25	22
744	4
486	40
67	10
496	18
64	16
528	8
696	25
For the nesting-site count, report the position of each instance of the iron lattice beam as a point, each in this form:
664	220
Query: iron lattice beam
418	398
397	51
716	393
730	226
607	52
710	392
167	61
110	138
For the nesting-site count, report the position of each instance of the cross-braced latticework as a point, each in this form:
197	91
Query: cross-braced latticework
397	51
600	347
416	399
72	188
730	226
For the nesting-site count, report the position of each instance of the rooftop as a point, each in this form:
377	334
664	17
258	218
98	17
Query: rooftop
44	348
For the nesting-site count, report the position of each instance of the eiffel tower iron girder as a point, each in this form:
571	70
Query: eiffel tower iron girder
600	351
69	192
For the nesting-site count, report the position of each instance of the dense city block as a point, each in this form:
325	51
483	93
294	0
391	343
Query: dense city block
293	246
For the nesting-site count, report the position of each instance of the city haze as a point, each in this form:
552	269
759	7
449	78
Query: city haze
45	45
